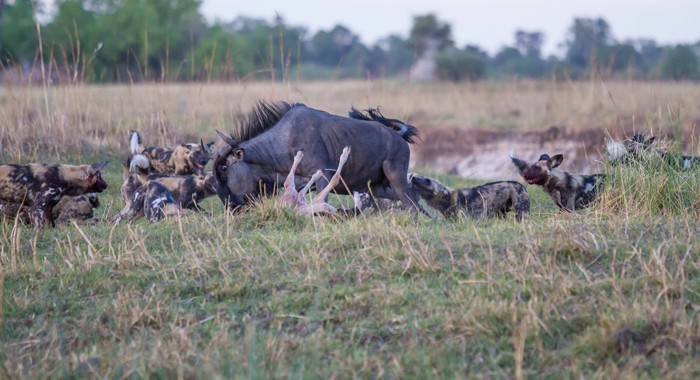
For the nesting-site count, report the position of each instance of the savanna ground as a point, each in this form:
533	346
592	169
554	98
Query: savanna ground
611	291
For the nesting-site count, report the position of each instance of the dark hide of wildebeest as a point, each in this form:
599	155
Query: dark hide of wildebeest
40	187
569	191
484	201
259	154
184	159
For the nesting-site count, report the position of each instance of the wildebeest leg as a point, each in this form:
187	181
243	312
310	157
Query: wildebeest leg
323	194
395	172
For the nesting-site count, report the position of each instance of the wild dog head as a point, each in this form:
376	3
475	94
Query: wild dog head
184	159
431	190
539	172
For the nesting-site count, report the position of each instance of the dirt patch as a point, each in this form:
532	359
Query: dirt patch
485	154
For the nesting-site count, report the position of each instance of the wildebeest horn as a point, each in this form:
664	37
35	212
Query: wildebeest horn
228	139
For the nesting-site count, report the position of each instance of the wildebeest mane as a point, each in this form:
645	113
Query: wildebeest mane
261	118
407	131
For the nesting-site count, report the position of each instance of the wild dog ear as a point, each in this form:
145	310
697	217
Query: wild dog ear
228	139
555	161
648	143
94	168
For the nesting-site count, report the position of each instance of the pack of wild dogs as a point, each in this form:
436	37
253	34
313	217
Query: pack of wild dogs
299	149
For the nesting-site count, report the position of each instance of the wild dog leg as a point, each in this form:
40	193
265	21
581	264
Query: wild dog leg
41	210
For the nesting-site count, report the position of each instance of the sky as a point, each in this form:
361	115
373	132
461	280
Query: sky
491	24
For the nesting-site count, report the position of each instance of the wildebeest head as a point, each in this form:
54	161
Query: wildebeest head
232	172
431	190
537	173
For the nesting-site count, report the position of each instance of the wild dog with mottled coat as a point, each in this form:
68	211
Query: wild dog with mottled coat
79	208
639	147
184	159
156	202
488	200
569	191
40	187
188	191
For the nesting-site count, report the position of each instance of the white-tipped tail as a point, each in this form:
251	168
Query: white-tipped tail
615	149
139	161
134	142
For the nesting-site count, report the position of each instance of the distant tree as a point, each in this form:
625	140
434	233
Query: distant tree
620	57
529	43
585	39
427	29
329	48
459	65
650	53
680	63
390	56
18	32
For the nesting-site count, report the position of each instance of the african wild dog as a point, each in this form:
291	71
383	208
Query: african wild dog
156	202
184	159
188	191
639	148
41	187
488	200
79	208
297	199
69	208
569	191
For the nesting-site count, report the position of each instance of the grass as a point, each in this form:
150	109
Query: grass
611	291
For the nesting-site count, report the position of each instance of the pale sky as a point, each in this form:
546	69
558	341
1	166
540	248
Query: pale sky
490	24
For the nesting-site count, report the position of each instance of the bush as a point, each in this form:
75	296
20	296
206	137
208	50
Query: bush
458	65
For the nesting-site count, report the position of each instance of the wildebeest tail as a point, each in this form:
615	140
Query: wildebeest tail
406	131
135	143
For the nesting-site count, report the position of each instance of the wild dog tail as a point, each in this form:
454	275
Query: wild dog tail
139	163
615	150
406	131
135	143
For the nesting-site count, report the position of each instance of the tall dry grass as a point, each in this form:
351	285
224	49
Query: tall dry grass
89	119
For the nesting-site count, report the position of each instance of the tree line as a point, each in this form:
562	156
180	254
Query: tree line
170	40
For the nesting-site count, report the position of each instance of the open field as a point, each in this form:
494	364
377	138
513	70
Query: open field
609	292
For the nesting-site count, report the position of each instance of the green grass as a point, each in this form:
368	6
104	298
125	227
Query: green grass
269	293
609	292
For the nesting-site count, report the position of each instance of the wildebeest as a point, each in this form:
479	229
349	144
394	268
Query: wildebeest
569	191
261	152
488	200
639	148
184	159
41	187
297	199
